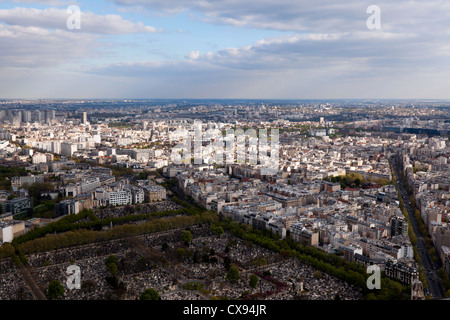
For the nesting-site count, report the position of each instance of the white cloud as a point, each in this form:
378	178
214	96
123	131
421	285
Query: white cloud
309	51
329	52
53	18
193	55
47	2
305	15
34	47
360	64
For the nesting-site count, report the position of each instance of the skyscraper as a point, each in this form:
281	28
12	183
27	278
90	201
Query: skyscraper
26	116
37	116
48	119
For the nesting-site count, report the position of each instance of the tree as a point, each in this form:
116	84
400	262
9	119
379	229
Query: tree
218	230
111	259
260	262
227	263
253	281
186	237
12	196
112	268
6	250
111	265
37	188
233	274
55	289
181	254
150	294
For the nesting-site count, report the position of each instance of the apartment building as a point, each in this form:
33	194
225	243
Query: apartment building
154	193
10	230
300	234
402	272
120	197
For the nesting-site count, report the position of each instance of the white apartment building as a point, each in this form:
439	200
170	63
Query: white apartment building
19	182
68	149
89	185
137	195
39	158
122	197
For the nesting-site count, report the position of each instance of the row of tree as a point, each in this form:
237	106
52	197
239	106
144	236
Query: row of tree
332	264
84	236
91	222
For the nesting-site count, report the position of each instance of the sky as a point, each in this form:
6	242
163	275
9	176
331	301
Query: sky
227	49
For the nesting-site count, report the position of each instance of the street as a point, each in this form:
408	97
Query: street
430	268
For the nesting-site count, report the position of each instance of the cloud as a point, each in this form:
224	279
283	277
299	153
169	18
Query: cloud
47	2
193	55
325	50
34	47
307	51
340	64
308	16
53	18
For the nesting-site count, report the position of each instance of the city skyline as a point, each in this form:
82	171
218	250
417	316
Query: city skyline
252	152
227	50
96	205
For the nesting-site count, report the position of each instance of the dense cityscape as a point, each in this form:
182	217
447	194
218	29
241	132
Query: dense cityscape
174	199
223	158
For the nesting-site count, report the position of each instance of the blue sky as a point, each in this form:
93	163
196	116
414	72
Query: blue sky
225	49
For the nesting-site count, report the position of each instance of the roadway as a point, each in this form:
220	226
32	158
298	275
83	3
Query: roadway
430	268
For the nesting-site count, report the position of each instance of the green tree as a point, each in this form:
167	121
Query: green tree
227	263
217	230
193	286
12	196
112	268
55	289
112	265
253	281
233	274
111	259
186	237
37	188
6	250
150	294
